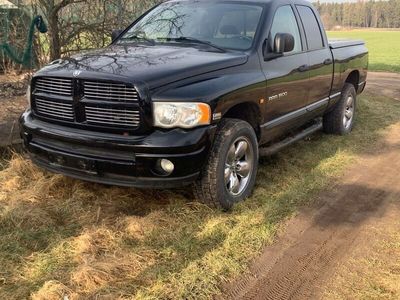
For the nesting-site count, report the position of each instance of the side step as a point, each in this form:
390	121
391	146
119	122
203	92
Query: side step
270	150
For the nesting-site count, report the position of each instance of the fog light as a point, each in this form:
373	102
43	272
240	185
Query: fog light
167	166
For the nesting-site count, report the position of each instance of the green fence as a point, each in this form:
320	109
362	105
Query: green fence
17	29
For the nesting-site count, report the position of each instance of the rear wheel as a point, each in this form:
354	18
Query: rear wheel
230	172
341	119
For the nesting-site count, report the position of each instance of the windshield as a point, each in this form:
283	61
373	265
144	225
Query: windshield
224	25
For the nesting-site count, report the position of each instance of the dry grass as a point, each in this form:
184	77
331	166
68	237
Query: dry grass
62	237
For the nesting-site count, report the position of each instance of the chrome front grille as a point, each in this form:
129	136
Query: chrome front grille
111	116
85	103
94	90
55	86
53	109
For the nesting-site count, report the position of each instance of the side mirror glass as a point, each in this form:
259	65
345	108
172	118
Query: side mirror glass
283	42
115	34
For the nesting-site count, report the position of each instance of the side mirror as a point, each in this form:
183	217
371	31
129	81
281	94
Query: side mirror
115	34
283	42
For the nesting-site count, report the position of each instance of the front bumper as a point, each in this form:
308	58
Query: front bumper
117	159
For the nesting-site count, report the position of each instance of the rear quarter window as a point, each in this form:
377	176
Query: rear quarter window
311	26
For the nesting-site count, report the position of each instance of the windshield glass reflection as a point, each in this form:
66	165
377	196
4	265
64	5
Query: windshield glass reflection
218	25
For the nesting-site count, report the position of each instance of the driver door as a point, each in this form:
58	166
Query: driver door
287	76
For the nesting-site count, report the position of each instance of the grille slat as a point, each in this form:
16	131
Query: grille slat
111	105
122	98
53	103
99	117
54	92
104	85
53	114
54	109
49	108
54	86
52	79
57	104
110	122
109	94
109	109
114	92
112	111
61	116
110	116
124	120
58	114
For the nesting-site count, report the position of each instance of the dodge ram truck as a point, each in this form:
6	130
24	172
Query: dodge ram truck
192	93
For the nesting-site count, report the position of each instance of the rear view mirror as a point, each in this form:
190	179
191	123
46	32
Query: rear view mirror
115	34
283	42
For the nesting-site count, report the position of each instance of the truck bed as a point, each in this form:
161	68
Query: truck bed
342	43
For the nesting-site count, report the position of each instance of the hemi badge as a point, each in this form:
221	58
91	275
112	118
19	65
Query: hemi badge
217	116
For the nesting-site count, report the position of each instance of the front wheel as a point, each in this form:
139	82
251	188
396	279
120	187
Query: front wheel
230	172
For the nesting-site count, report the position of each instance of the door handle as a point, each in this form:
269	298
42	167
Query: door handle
304	68
328	61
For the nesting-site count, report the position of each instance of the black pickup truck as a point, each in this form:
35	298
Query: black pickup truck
193	92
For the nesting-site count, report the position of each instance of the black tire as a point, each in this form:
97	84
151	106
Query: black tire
335	120
212	189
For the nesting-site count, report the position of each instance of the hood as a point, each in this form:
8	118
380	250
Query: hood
153	65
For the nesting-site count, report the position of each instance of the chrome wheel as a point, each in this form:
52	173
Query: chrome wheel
349	112
239	166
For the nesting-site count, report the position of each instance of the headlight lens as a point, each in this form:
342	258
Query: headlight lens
28	96
182	115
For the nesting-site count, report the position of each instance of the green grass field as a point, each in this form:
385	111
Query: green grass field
384	47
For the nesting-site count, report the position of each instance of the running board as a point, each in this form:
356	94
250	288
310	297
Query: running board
270	150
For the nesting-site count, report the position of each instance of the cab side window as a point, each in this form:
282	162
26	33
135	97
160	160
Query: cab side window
311	27
285	22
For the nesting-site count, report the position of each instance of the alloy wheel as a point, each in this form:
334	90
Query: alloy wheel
239	166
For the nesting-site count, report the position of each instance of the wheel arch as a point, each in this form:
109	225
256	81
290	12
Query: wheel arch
353	78
248	112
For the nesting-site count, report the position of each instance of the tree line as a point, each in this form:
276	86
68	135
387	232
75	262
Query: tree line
365	14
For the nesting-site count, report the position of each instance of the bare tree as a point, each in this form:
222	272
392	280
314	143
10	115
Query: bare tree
76	25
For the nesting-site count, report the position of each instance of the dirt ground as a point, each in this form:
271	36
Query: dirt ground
12	104
338	249
385	84
10	110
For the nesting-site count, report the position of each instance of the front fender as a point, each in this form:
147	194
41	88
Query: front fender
222	90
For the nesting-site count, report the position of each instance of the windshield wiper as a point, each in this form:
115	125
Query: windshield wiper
139	38
195	41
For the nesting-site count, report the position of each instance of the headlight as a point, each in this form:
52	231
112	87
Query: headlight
183	115
28	96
